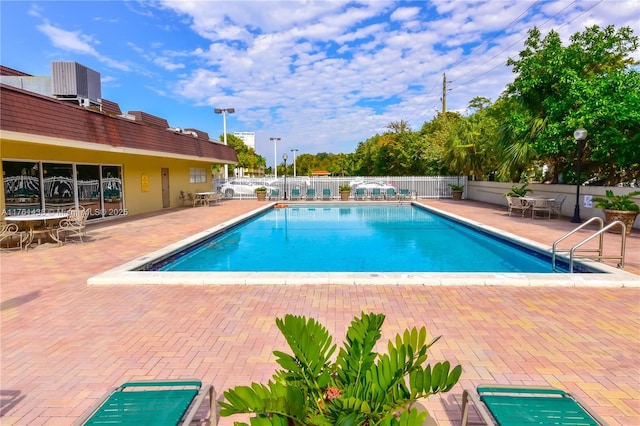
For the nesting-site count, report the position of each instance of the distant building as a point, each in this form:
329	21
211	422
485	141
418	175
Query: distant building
249	138
64	146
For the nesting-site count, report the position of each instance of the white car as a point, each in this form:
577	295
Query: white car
371	184
244	187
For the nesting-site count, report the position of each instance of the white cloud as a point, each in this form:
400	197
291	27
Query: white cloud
76	42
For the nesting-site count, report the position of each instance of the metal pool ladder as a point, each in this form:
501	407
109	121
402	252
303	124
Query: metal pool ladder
600	233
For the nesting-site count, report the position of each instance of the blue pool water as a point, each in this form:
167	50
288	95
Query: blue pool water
392	238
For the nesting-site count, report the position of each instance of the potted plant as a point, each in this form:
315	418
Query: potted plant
456	191
345	190
618	207
518	191
358	387
261	193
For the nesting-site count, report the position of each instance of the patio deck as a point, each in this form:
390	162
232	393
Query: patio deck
65	343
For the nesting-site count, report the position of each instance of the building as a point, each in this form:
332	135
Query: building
249	138
61	150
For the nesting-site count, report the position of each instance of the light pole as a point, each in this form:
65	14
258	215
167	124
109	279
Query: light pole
275	157
284	158
294	161
224	112
579	135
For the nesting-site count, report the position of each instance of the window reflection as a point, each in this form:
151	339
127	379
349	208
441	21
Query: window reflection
88	179
21	187
58	187
33	187
112	184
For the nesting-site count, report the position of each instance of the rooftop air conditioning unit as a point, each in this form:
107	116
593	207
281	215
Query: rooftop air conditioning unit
74	81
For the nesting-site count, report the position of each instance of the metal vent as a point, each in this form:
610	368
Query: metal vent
72	80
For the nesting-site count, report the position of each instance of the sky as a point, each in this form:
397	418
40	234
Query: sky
320	75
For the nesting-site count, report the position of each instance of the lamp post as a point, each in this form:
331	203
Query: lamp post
579	135
294	161
275	157
284	158
224	112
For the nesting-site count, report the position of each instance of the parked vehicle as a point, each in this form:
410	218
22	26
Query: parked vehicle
370	184
244	187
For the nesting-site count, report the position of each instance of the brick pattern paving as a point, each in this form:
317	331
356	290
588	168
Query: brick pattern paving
64	343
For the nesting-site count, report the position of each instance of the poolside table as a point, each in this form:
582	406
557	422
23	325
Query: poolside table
533	201
39	224
206	198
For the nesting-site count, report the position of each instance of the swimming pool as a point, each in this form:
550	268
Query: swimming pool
137	271
354	238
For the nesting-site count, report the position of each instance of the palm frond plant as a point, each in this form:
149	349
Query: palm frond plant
517	191
360	387
617	202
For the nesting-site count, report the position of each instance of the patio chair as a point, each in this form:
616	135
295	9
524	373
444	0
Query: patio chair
295	194
11	232
186	198
311	194
517	204
376	194
404	194
541	206
360	194
275	194
73	226
556	204
326	194
523	405
391	194
154	402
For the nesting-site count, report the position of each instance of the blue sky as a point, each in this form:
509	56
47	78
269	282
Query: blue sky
321	75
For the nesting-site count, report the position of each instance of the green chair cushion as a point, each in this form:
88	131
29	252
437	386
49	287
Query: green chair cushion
145	406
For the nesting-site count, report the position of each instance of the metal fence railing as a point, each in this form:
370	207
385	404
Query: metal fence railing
418	186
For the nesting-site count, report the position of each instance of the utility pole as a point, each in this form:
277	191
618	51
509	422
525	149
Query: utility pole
444	93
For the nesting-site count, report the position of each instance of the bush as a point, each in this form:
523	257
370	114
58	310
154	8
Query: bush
361	387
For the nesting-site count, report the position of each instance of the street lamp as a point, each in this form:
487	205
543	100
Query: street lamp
579	135
275	157
224	112
294	161
284	158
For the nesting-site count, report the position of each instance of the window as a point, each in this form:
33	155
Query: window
32	187
197	175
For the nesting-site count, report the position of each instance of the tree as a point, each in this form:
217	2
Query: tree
558	89
247	156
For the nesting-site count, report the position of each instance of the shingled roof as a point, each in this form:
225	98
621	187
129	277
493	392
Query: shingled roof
32	116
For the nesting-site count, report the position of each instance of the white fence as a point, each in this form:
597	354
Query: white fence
418	186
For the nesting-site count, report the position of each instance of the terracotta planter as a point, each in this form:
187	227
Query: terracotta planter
262	195
457	195
624	216
344	195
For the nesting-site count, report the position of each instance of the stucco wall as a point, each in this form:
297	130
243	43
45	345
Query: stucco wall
492	192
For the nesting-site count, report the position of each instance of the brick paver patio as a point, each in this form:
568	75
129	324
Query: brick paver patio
65	343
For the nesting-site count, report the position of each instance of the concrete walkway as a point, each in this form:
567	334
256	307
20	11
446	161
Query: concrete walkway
65	343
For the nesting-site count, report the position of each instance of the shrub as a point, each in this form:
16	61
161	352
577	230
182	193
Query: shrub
361	387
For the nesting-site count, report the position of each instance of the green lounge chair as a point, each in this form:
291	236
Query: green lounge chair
295	194
404	194
275	194
326	194
391	194
376	194
311	194
151	403
360	194
527	405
